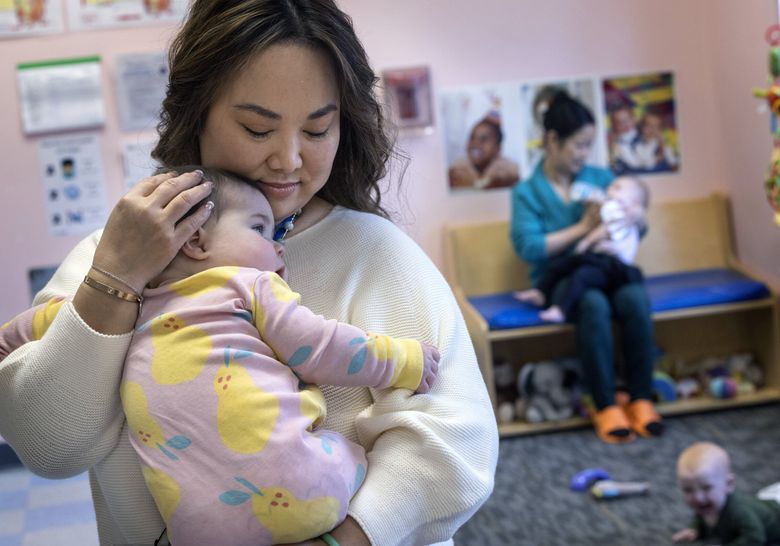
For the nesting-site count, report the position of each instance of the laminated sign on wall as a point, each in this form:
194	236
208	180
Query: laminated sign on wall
60	95
71	168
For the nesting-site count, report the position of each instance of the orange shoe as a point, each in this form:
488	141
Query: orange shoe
612	426
644	419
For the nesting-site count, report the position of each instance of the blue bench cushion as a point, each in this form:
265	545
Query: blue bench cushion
667	292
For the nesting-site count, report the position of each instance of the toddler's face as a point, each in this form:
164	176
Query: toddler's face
243	233
705	489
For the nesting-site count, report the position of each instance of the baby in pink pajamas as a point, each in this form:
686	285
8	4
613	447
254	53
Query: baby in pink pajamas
219	385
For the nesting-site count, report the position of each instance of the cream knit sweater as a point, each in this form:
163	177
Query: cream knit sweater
431	458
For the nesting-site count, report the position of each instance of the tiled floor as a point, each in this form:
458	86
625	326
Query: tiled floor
38	512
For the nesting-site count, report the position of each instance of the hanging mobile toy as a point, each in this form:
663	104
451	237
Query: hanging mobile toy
772	96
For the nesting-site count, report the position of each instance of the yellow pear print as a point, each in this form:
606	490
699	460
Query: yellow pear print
164	489
204	282
281	292
313	405
180	350
246	414
288	518
142	425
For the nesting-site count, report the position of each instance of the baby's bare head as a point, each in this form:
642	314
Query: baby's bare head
701	455
630	189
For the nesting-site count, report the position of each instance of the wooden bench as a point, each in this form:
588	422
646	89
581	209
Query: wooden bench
684	236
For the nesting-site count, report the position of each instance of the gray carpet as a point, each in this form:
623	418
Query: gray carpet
533	505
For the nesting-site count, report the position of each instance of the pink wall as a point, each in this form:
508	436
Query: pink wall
739	55
715	47
27	243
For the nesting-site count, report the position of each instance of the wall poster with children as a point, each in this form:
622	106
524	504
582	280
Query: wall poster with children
641	123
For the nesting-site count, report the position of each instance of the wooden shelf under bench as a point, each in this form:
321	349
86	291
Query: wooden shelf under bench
683	236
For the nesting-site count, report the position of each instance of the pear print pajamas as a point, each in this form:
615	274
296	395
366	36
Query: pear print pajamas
219	390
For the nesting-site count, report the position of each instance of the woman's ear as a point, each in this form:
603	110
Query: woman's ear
550	138
195	247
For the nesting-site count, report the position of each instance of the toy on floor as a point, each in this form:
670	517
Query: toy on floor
609	489
584	479
598	482
772	96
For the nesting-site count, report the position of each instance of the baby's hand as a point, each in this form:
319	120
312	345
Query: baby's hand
582	246
685	535
430	368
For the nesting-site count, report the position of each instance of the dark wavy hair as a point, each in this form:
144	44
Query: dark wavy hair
566	115
220	37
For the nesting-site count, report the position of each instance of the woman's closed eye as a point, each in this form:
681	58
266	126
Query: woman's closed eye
317	134
256	134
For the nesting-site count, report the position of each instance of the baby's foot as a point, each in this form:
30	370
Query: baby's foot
552	314
532	295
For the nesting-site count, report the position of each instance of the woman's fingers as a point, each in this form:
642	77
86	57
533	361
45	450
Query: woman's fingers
170	188
144	232
181	203
147	185
190	225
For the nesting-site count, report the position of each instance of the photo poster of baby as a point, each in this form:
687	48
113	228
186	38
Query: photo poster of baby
640	115
483	143
493	134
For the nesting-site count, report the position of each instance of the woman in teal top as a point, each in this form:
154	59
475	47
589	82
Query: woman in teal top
547	222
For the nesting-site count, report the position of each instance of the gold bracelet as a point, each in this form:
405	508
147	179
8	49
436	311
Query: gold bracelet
115	292
116	278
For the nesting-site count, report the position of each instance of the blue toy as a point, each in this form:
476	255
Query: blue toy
582	481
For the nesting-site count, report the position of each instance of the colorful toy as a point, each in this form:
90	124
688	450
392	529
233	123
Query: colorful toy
723	387
583	480
608	489
772	96
687	387
664	387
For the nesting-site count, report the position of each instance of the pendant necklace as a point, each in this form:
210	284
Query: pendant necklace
285	226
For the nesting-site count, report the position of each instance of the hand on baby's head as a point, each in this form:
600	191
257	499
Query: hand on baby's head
430	368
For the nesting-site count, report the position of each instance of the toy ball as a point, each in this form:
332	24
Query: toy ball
723	387
664	387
